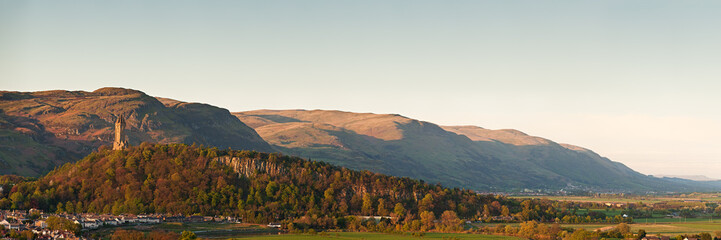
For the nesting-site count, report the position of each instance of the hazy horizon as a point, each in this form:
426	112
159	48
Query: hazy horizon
635	81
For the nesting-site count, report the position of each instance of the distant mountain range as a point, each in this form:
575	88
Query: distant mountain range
42	130
688	177
462	156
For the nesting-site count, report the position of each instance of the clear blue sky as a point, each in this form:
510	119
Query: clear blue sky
636	81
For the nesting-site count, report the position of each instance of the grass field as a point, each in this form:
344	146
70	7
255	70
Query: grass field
378	236
204	230
608	212
692	226
666	226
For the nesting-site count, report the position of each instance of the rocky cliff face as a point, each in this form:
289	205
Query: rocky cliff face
41	130
248	167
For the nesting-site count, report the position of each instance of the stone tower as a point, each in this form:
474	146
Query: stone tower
121	141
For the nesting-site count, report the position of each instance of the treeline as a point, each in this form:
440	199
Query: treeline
182	179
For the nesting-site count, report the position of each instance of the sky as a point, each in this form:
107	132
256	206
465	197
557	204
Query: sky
635	81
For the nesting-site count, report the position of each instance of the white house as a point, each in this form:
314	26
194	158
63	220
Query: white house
89	223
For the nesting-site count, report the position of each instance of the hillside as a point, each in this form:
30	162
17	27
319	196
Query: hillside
259	187
463	156
42	130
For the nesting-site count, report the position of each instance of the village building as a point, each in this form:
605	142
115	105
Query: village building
41	224
656	238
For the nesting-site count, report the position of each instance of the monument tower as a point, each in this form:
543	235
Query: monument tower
121	141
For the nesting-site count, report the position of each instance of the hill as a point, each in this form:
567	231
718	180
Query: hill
42	130
463	156
259	187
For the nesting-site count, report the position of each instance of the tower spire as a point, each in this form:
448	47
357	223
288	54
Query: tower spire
121	141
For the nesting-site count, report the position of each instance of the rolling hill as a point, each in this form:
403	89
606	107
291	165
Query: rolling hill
42	130
463	156
259	187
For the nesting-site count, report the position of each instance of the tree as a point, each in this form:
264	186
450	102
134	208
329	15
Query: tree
641	233
367	208
59	208
382	211
486	211
70	207
17	198
127	235
623	228
399	210
58	223
450	221
427	218
5	203
705	236
271	189
187	235
528	229
505	211
579	234
426	203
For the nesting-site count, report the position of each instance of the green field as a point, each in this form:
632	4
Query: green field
204	230
692	226
378	236
608	212
665	226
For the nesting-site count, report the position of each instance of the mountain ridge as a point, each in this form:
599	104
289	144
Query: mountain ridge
464	156
42	130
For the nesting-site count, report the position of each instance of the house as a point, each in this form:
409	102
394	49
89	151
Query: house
15	226
274	225
11	225
89	223
151	219
656	238
195	219
374	218
173	219
35	211
41	224
110	220
130	219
